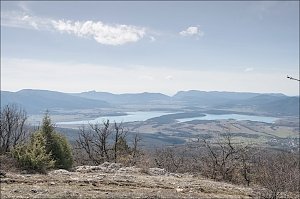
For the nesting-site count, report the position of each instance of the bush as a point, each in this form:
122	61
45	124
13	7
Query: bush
34	156
46	149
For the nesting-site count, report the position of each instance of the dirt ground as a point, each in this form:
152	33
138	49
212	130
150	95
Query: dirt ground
114	181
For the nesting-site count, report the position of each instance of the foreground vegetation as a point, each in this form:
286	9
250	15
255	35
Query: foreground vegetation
221	160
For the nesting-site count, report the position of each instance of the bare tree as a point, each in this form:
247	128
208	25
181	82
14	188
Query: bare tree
119	140
85	143
224	158
173	159
105	142
167	158
245	157
278	172
101	141
135	147
12	127
94	142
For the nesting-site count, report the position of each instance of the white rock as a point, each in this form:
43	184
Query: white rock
157	171
60	171
179	190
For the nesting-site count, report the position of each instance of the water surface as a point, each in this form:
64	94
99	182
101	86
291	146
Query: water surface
130	117
145	115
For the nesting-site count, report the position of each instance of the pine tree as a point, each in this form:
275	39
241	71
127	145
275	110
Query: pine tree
57	145
34	156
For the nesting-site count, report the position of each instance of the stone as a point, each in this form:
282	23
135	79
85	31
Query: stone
60	171
2	174
179	190
34	191
157	171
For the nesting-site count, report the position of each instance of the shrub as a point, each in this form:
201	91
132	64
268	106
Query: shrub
46	149
33	156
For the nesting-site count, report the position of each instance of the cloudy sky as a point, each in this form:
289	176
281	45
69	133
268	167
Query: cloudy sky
150	46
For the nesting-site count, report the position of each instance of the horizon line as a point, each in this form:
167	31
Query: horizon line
148	92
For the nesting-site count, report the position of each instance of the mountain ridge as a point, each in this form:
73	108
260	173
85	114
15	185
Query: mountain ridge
34	100
40	100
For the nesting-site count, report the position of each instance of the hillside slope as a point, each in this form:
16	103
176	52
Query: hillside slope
271	104
39	100
113	181
127	98
35	101
210	98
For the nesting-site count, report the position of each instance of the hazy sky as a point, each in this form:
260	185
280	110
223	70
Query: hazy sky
150	46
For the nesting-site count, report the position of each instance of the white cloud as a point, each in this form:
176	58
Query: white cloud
192	31
107	34
30	21
102	33
23	20
249	69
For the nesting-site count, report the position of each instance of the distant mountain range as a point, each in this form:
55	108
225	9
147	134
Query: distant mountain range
128	98
34	101
275	104
39	100
212	98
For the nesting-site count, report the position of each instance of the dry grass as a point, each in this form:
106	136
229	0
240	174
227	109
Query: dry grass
8	164
129	182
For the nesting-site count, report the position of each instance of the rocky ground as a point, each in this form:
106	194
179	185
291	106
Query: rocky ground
113	181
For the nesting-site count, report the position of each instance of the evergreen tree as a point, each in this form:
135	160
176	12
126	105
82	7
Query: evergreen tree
34	156
56	145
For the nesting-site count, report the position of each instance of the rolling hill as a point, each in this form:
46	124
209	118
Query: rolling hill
128	98
211	98
272	104
35	101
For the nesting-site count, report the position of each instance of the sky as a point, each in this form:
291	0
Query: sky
150	46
